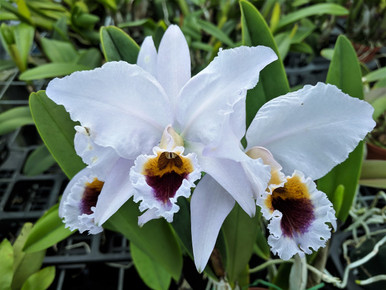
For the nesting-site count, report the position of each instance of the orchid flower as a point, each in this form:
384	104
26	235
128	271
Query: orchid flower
162	128
301	136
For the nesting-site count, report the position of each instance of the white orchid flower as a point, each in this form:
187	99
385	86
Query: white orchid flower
168	123
302	136
310	131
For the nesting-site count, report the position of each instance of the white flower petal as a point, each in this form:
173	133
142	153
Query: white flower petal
77	211
147	57
115	192
159	188
148	215
312	129
210	205
173	62
210	96
231	176
101	159
305	223
116	91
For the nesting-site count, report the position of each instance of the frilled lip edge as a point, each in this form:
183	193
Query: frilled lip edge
78	203
299	222
160	179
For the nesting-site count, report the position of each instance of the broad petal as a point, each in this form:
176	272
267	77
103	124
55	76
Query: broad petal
173	62
116	191
210	96
312	129
147	57
101	159
123	104
210	205
233	177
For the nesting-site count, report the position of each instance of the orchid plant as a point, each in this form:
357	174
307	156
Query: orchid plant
151	132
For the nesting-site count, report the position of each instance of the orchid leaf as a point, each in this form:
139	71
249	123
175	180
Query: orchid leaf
51	70
47	231
273	79
117	45
317	9
38	161
59	51
14	118
345	73
57	131
40	280
240	232
25	264
6	265
151	273
376	75
373	173
156	238
216	32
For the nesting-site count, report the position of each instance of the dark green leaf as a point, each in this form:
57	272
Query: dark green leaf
317	9
38	161
273	80
57	131
216	32
345	73
40	280
14	118
90	57
155	238
51	70
117	45
240	232
151	273
47	231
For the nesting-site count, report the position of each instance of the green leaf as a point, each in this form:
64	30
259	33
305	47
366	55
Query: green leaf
317	9
284	41
151	273
51	70
337	199
59	51
25	264
345	73
117	45
57	131
40	280
6	64
6	265
376	75
38	161
24	35
373	173
47	231
14	118
90	57
216	32
273	79
155	238
240	232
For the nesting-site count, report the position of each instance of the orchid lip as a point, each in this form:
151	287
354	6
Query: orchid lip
90	196
293	201
165	173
